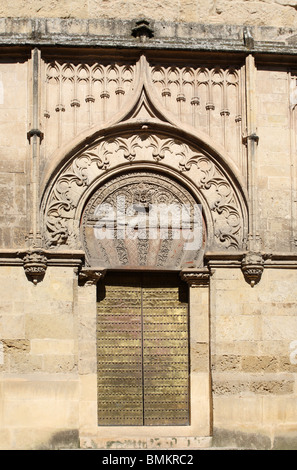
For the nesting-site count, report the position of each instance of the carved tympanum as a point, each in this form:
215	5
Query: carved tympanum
142	219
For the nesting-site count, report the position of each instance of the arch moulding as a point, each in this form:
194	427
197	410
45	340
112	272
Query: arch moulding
145	148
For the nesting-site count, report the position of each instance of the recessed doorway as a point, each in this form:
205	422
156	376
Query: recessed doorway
142	349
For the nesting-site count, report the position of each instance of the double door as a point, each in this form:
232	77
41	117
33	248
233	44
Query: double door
142	350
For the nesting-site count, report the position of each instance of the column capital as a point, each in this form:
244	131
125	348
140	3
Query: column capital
90	276
196	277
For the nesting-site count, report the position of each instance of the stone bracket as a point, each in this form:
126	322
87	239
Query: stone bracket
196	277
248	38
142	30
35	265
252	267
35	132
253	137
90	276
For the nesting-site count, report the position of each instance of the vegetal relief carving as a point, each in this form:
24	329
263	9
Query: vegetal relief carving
61	218
220	194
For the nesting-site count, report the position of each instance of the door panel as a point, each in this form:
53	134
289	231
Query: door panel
119	354
143	354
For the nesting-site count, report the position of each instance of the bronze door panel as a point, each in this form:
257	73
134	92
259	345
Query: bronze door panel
142	350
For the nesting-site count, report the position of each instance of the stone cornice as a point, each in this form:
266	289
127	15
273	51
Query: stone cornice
168	36
36	261
15	257
215	259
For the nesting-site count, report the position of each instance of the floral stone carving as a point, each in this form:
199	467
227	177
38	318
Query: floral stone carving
61	214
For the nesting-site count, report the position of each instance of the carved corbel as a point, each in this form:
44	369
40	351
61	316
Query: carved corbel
142	30
253	137
252	267
196	277
35	132
90	276
248	38
35	265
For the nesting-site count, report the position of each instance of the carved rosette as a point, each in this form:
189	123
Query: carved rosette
90	277
253	267
35	265
196	278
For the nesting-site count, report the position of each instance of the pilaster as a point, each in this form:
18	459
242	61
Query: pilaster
199	322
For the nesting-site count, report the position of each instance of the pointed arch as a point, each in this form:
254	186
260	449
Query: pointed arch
146	146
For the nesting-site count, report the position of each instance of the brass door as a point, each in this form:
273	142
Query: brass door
142	350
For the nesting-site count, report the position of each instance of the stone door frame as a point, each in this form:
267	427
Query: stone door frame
198	433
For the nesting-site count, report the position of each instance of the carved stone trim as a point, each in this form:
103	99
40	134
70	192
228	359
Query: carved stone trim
252	267
90	276
196	278
151	245
142	30
35	265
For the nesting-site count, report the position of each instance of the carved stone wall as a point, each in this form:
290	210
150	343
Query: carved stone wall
77	96
209	99
94	106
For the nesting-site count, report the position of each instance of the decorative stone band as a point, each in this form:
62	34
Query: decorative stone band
196	278
90	276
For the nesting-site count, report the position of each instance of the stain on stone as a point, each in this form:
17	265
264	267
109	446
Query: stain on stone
67	439
285	443
223	438
16	345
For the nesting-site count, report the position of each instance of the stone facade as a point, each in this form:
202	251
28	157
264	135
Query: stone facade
195	103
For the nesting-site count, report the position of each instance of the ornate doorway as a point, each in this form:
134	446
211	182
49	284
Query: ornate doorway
143	227
142	160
